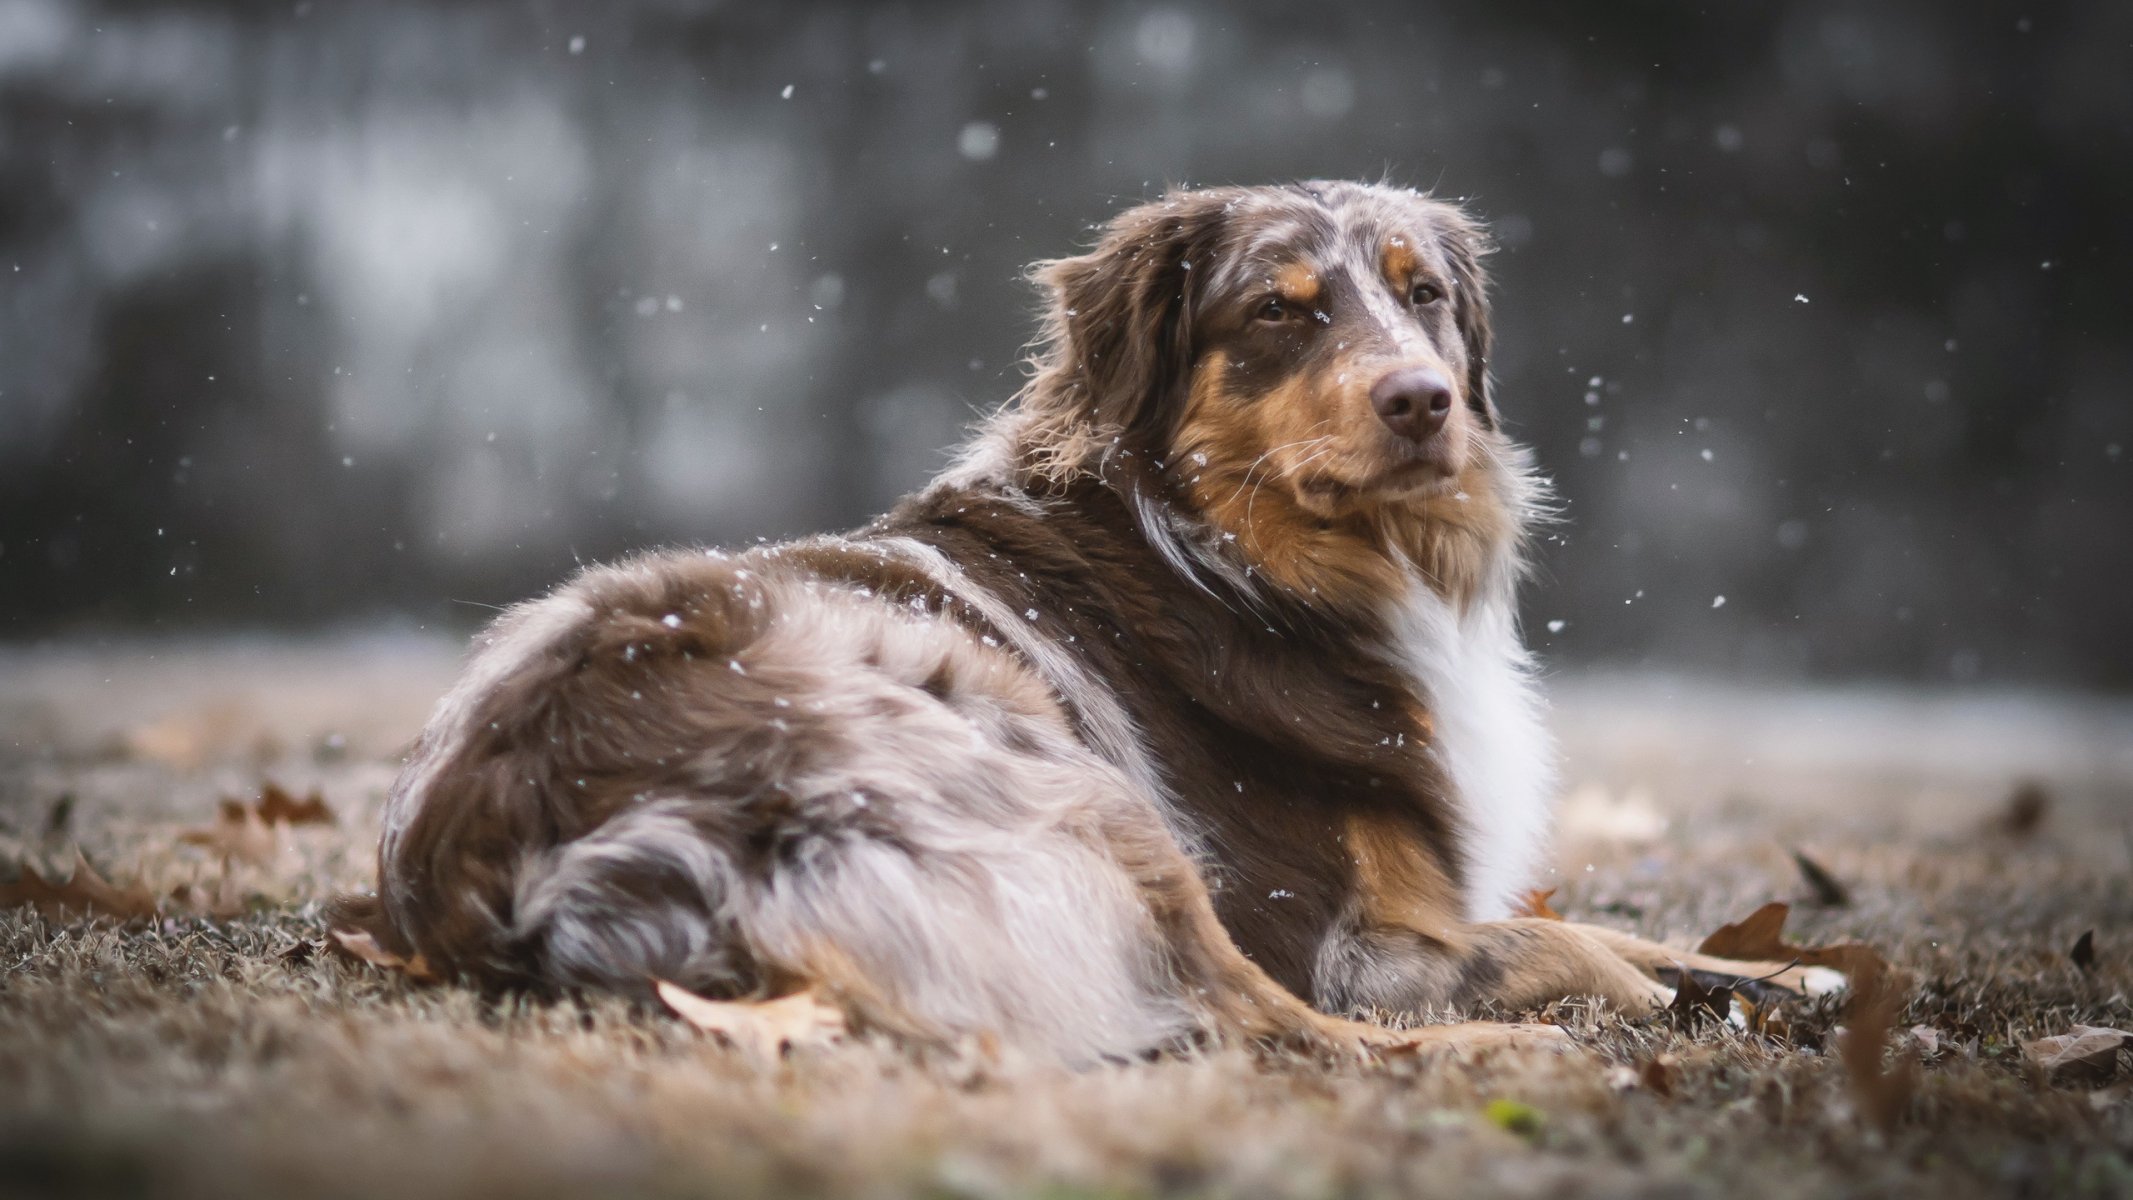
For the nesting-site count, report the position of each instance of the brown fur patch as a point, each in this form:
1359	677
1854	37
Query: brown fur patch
1298	284
1397	261
1399	880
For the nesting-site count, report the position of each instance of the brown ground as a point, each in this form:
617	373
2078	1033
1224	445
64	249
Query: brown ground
211	1057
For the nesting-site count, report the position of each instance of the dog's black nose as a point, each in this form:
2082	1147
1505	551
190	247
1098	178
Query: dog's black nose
1414	402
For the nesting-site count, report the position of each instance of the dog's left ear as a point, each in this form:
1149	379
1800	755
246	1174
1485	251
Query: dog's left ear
1466	244
1120	313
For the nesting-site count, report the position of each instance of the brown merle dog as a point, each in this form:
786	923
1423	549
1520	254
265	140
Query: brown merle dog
1189	702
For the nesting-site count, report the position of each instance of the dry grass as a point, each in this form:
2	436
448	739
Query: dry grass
225	1057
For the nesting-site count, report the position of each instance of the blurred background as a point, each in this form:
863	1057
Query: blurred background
330	315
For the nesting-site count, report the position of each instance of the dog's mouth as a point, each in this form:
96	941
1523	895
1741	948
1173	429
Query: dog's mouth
1410	476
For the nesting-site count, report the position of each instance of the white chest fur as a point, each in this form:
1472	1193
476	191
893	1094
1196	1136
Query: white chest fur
1476	678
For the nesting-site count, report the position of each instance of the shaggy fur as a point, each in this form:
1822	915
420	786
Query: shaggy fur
1190	694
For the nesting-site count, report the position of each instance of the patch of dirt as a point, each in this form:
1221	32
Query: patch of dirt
219	1050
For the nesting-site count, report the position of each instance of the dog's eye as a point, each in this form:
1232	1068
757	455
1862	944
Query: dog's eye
1273	308
1425	293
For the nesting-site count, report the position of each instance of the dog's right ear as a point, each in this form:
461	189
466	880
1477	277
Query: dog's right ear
1120	314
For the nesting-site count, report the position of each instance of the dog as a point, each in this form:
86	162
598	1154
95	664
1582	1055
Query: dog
1189	703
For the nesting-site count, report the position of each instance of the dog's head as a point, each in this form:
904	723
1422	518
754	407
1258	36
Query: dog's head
1308	365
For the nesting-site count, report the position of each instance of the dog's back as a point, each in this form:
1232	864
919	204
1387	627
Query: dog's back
745	774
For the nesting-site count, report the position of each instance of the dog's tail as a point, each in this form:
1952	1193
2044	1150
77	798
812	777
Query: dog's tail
525	842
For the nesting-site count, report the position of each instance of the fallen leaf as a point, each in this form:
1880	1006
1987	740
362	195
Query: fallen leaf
1770	1020
1536	905
1828	891
1755	936
1693	1000
763	1029
251	832
1761	937
2025	811
275	804
84	891
2084	951
1881	1092
359	944
238	832
2089	1054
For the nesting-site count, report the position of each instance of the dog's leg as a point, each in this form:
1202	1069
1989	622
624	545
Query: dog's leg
1240	1000
1404	946
1528	962
1244	1001
1510	965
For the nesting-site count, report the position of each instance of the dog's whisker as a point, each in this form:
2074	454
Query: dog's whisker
1295	470
1324	444
1302	441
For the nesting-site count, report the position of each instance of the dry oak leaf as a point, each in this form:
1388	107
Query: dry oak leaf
1692	1000
84	891
1536	905
763	1029
251	832
238	832
360	945
2087	1055
1761	937
276	804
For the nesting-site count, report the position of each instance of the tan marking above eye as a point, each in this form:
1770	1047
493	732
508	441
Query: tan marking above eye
1398	263
1298	285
